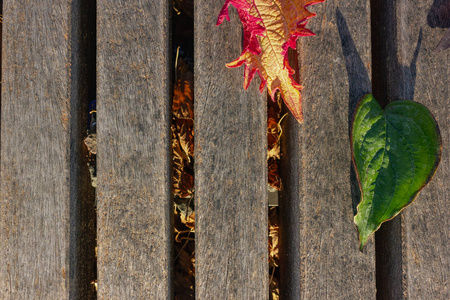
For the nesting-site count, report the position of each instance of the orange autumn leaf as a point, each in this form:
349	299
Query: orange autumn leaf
270	28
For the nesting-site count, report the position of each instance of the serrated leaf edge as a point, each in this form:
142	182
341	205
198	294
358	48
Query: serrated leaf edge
252	45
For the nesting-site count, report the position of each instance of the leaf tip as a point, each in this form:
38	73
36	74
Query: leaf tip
363	238
365	231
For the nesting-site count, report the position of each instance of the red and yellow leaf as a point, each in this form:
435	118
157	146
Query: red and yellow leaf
270	28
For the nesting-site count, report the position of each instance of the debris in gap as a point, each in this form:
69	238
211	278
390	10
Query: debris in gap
183	180
184	6
274	256
274	181
273	142
274	289
184	283
183	132
183	152
183	98
91	142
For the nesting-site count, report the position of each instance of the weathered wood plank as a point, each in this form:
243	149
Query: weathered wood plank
416	72
320	242
231	168
35	143
134	192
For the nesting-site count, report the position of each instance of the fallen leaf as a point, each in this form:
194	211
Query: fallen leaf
183	94
273	174
274	289
274	256
183	179
183	132
274	248
270	28
188	220
396	152
91	143
274	152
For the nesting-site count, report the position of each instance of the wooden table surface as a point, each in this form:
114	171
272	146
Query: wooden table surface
57	56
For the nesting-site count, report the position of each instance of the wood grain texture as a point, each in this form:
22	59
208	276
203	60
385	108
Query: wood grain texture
231	169
35	136
319	239
134	191
422	75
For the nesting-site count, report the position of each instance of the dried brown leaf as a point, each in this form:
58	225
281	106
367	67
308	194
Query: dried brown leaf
183	92
189	221
274	248
273	174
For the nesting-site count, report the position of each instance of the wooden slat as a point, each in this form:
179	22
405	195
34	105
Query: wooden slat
230	166
35	143
319	238
134	192
422	75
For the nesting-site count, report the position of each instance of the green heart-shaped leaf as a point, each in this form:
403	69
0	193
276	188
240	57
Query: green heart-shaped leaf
396	151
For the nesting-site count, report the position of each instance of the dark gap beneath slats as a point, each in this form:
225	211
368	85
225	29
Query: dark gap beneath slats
385	70
183	149
275	185
83	263
289	209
